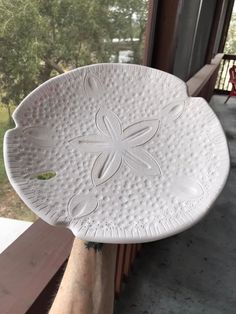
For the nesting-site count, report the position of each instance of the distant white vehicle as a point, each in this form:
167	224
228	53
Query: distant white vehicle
117	40
122	40
125	56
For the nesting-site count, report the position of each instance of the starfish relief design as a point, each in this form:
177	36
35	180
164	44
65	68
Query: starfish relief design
117	146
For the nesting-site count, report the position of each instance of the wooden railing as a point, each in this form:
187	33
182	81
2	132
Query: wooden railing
203	82
31	268
223	86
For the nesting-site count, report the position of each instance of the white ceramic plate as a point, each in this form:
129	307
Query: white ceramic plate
135	159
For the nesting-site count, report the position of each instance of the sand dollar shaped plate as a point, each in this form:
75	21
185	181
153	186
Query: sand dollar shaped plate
117	153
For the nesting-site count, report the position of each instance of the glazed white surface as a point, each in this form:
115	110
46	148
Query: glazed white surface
135	158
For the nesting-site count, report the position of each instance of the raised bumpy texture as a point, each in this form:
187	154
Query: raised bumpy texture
135	158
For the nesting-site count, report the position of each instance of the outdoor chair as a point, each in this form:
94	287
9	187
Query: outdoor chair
232	80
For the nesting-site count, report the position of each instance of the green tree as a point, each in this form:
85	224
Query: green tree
42	38
129	22
230	45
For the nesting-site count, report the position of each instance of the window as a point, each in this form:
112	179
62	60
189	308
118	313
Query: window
230	45
193	36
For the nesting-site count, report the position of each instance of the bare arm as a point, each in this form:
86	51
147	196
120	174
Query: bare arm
87	286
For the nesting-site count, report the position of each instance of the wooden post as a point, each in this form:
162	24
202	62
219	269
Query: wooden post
88	282
119	268
127	260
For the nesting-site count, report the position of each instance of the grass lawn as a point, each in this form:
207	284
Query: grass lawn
3	128
4	125
10	204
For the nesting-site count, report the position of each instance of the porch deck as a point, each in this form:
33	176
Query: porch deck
193	272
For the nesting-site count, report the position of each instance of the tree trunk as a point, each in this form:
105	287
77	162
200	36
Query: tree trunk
54	66
45	73
10	120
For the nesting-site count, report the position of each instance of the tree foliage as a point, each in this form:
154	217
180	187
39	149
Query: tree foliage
42	38
230	45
